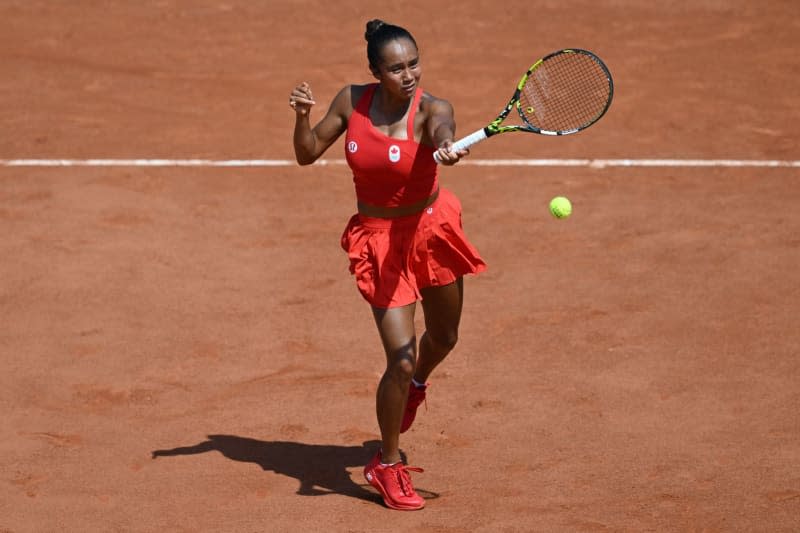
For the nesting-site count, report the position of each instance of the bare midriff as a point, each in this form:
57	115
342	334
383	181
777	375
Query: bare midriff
400	211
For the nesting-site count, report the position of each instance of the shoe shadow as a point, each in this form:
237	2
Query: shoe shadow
321	469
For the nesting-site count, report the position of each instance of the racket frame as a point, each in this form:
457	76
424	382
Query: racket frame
496	126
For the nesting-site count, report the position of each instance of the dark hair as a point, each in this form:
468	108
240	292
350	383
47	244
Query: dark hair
378	34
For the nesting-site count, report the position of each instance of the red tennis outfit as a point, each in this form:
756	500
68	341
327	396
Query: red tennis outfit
393	258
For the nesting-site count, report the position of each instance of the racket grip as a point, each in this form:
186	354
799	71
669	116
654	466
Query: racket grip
466	142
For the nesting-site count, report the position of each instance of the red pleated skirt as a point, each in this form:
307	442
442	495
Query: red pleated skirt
393	258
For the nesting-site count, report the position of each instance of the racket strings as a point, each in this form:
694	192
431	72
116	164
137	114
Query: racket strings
568	91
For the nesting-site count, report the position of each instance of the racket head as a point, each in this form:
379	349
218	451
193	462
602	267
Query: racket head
564	92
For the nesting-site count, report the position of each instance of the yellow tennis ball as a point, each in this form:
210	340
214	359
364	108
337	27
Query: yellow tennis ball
560	207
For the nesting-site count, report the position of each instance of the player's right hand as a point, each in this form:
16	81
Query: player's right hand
301	99
446	156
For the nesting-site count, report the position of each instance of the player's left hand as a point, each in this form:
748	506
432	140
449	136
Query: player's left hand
301	99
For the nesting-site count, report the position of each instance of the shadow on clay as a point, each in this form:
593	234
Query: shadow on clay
320	468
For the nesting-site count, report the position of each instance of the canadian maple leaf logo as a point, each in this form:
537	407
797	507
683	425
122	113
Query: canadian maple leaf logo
394	153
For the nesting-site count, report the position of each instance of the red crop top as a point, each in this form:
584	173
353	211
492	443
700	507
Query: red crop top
388	172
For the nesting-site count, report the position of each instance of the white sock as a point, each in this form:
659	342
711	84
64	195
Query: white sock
417	384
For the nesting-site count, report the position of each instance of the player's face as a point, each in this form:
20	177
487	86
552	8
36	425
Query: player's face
399	71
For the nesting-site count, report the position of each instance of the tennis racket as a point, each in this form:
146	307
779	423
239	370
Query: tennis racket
562	93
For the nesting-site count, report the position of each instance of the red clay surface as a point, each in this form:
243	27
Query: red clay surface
183	348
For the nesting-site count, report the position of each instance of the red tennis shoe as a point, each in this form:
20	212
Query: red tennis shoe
416	395
394	484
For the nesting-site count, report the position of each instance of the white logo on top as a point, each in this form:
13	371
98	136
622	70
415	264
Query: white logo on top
352	147
394	153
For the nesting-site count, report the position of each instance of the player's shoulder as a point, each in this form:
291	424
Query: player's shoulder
357	91
432	104
429	99
347	99
348	96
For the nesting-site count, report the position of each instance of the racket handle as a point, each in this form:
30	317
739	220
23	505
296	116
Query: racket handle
466	142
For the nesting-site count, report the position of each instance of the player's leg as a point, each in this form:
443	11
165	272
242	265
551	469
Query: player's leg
442	307
391	479
396	328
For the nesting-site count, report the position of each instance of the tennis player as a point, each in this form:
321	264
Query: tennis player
406	242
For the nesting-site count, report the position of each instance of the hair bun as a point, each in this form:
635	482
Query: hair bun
373	26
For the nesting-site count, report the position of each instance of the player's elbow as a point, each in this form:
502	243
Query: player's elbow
304	159
305	151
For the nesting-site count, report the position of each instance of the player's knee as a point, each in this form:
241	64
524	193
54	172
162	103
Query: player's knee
444	341
402	361
404	367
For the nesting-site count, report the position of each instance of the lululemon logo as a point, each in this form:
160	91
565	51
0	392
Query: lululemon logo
352	147
394	153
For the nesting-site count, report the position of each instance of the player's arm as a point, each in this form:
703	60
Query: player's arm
310	143
441	129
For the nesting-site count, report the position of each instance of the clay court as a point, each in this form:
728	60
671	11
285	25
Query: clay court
184	349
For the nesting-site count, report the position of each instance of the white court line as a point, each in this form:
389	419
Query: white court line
590	163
